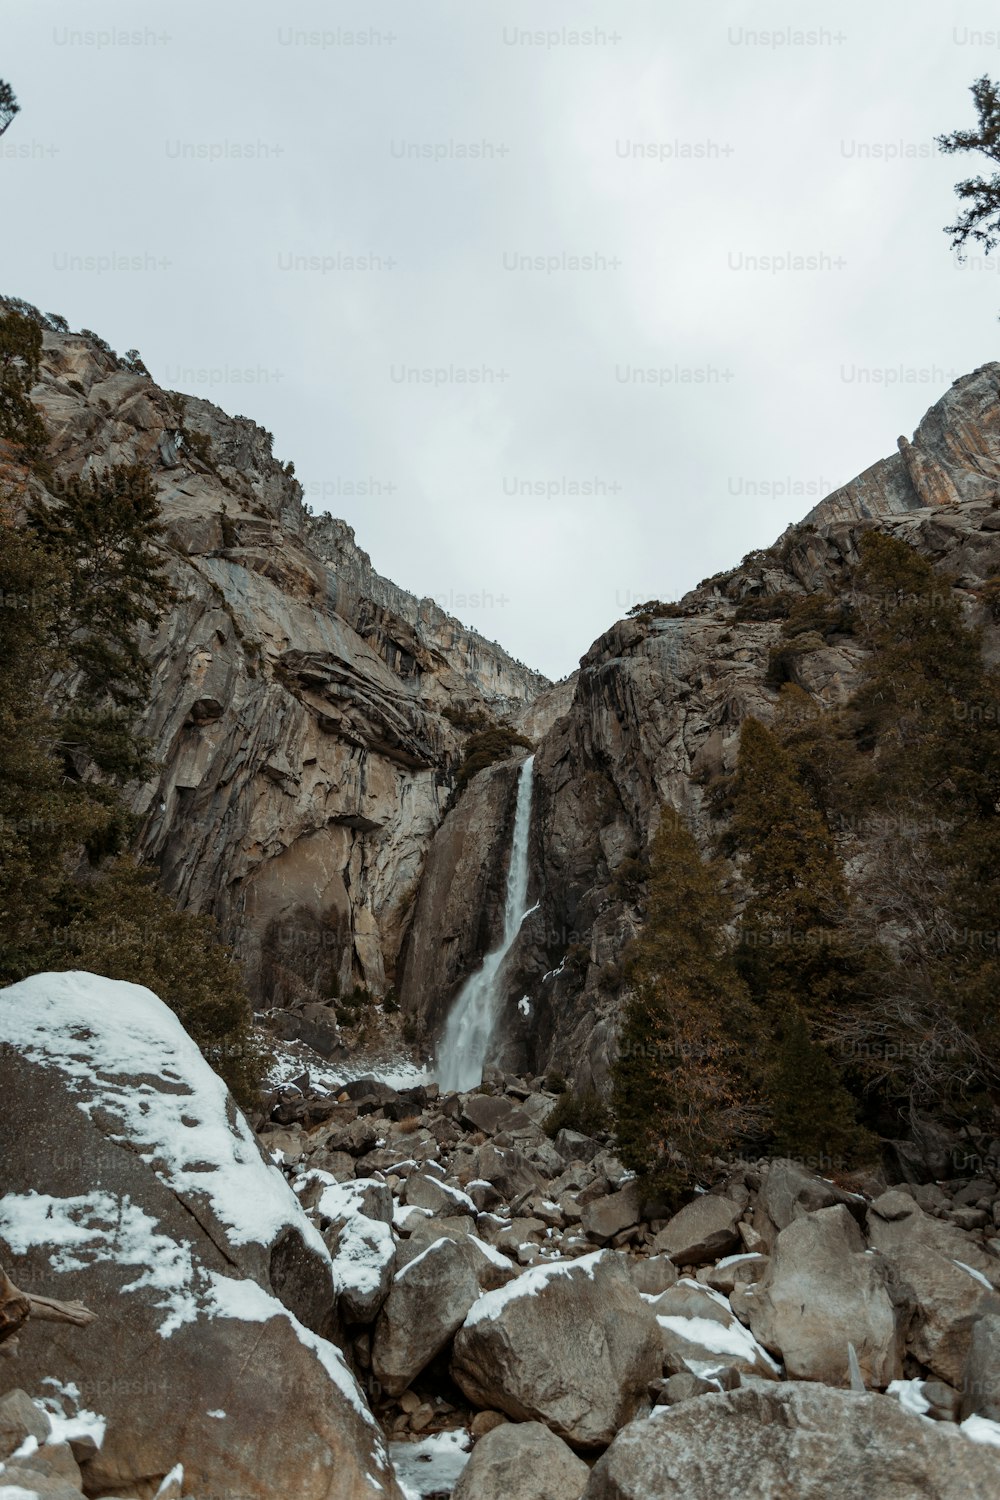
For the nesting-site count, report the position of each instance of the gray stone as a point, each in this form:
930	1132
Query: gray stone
822	1291
522	1459
571	1344
575	1147
427	1303
979	1385
605	1217
792	1440
704	1230
20	1418
788	1191
652	1274
161	1193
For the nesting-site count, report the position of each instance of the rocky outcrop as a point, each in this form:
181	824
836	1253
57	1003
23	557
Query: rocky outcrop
524	1459
822	1291
298	705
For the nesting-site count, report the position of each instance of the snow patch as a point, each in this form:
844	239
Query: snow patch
529	1284
981	1430
431	1466
910	1395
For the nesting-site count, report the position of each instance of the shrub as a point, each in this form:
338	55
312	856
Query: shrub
583	1112
485	748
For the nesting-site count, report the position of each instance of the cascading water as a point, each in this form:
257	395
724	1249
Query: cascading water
467	1032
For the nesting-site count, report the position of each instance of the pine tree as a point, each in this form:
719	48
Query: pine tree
20	357
106	532
792	951
682	1082
927	729
42	821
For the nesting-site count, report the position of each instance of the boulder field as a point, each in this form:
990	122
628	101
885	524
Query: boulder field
368	1281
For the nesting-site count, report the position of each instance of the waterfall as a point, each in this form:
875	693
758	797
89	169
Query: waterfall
467	1032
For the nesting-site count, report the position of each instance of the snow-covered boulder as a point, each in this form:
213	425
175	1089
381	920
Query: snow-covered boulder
429	1300
133	1183
571	1344
790	1439
702	1335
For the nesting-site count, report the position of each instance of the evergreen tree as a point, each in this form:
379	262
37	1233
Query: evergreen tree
682	1082
793	951
20	356
120	925
41	820
106	532
927	727
980	219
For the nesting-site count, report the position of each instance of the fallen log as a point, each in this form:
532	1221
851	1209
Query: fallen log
16	1307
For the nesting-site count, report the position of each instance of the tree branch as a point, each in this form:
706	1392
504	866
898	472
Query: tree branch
16	1307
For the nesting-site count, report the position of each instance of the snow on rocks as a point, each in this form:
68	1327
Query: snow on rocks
136	1186
570	1344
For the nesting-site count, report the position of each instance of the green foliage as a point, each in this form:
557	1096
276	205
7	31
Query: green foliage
469	719
683	1087
655	609
485	748
9	106
55	910
106	531
582	1112
120	925
20	356
813	1116
979	221
792	951
765	607
42	820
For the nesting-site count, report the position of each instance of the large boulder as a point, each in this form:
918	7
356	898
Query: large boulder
822	1291
523	1460
948	1295
428	1302
571	1344
703	1231
980	1382
605	1217
805	1441
133	1184
702	1336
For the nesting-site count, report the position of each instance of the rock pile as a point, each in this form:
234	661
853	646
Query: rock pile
521	1279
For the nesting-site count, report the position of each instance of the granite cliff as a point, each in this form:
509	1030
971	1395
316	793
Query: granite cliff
307	715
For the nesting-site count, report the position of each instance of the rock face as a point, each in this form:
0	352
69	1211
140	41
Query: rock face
806	1441
822	1291
213	1290
571	1345
298	697
428	1303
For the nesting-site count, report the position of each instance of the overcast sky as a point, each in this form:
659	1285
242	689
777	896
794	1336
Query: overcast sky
430	243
